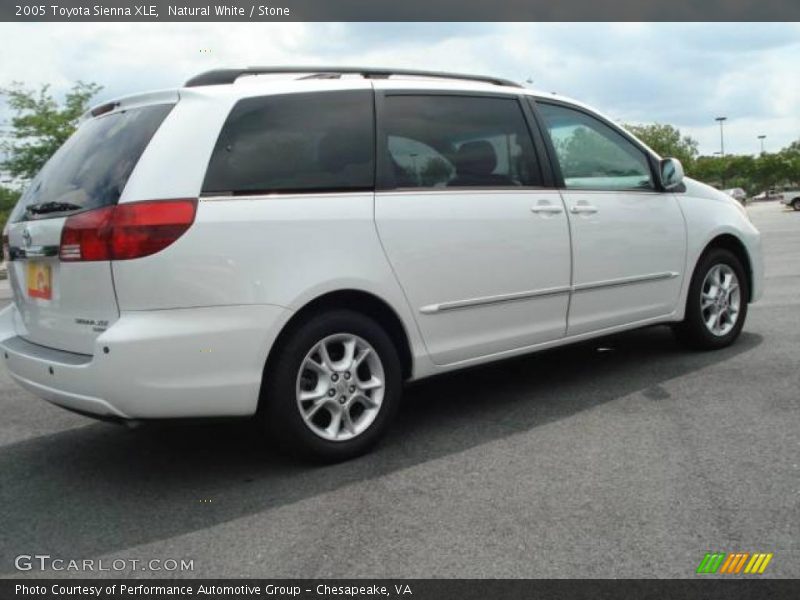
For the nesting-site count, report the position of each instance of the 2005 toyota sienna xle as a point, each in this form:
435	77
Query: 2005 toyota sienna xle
295	244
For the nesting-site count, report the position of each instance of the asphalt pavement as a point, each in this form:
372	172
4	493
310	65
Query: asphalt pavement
624	457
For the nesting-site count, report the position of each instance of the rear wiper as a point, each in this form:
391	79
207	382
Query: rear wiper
51	207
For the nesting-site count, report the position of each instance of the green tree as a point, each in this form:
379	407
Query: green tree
708	169
8	198
667	141
737	172
753	174
772	170
791	154
584	152
41	124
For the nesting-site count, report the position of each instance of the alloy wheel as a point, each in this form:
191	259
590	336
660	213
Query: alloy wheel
340	387
720	299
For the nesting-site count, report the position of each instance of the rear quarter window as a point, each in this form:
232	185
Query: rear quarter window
322	141
92	168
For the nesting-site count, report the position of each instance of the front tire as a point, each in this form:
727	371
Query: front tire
796	204
716	306
333	387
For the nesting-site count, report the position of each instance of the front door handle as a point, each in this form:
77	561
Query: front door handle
544	207
583	209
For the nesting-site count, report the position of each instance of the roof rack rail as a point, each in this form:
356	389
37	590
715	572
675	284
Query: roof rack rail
225	76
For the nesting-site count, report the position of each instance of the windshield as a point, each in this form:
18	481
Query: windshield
92	167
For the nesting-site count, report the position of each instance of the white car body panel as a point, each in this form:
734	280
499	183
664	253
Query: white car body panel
789	197
628	257
483	272
85	285
473	276
709	214
253	231
192	362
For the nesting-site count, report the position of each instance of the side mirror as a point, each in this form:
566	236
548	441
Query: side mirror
671	173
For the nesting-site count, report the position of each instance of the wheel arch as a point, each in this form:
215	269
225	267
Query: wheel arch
359	301
734	245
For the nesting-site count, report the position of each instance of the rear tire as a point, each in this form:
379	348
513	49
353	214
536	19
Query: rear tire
716	306
332	388
796	204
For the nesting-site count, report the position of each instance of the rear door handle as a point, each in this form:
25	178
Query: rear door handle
584	209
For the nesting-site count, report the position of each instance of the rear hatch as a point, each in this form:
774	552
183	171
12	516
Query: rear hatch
66	300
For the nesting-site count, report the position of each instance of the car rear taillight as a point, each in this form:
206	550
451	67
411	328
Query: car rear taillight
125	231
144	228
85	236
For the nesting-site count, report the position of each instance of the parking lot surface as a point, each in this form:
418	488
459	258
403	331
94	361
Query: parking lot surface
624	457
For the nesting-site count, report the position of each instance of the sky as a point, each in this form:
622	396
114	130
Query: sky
678	73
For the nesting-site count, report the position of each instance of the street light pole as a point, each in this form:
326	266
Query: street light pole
761	137
721	136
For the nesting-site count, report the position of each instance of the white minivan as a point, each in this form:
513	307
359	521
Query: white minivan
295	244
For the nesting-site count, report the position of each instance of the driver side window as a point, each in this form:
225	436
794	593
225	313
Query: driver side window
592	155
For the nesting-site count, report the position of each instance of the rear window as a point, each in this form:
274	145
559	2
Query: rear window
442	141
92	167
314	142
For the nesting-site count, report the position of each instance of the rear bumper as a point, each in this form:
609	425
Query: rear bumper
196	362
34	368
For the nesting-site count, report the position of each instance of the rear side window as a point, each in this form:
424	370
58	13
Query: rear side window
320	142
457	141
92	167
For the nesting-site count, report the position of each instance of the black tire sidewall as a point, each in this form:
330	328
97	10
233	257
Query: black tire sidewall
796	204
694	328
282	418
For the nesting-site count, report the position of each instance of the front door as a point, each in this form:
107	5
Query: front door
629	238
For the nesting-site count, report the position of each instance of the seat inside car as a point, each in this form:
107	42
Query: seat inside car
475	163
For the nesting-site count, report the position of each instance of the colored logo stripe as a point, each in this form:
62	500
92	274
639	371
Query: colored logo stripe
733	563
711	562
758	563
